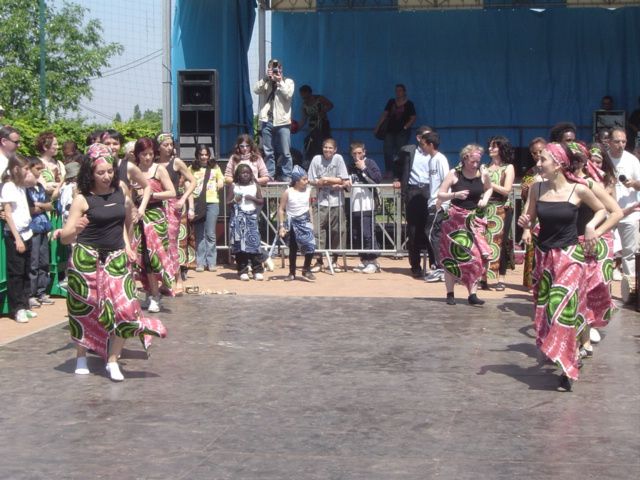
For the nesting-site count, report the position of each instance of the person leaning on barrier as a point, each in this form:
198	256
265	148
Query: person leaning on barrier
413	179
363	171
328	173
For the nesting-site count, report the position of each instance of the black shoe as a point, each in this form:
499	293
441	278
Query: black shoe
474	300
307	274
451	299
289	278
483	285
565	384
417	273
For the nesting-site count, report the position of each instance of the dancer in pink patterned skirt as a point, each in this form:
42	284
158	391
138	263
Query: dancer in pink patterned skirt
559	301
463	247
175	206
102	303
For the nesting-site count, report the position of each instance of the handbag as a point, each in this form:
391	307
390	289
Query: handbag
200	207
381	132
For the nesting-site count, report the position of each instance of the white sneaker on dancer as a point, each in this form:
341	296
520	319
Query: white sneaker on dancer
81	366
114	372
594	336
154	305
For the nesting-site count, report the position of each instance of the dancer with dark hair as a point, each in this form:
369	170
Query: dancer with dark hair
151	232
558	293
103	308
563	132
175	206
499	212
531	176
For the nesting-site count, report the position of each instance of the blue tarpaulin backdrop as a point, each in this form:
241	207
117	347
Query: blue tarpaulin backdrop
490	67
216	34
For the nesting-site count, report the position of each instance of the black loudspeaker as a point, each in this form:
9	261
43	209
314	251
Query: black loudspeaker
198	112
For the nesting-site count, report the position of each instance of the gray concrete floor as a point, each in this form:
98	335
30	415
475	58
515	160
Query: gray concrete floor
323	388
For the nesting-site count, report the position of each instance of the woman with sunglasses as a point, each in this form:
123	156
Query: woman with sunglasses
246	151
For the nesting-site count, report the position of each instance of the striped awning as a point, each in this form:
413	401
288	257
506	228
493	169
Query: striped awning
337	5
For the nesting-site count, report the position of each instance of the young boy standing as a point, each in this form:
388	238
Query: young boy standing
328	173
363	171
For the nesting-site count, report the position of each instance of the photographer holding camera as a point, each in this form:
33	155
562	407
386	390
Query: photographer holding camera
276	93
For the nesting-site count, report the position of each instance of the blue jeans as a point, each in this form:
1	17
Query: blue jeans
206	254
277	140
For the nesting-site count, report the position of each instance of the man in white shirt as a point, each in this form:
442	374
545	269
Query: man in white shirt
276	93
628	174
9	143
438	169
414	178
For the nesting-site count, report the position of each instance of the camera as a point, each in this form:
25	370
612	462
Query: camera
622	178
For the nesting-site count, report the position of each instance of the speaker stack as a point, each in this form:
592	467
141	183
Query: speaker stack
198	116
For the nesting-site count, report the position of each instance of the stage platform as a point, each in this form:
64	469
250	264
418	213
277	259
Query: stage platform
305	388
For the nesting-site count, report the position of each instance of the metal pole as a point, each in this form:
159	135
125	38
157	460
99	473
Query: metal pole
166	66
262	45
43	88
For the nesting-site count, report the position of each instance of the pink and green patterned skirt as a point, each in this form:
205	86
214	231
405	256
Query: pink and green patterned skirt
560	305
102	300
174	219
598	276
151	243
463	247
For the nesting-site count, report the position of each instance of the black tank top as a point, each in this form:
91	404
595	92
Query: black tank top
558	223
173	175
476	190
106	215
585	214
123	173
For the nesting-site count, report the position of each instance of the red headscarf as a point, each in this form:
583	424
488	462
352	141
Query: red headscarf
559	155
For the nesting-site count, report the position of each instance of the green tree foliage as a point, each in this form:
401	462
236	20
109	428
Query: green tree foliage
118	117
75	53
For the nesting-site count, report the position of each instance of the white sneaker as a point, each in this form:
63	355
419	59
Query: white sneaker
435	276
594	336
81	366
114	372
154	305
21	316
244	277
258	276
31	314
34	303
371	268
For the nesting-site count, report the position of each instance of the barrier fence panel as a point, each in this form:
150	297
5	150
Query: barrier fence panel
368	219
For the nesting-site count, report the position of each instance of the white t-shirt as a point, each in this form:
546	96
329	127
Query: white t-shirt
251	189
298	202
438	169
629	166
420	168
321	167
17	197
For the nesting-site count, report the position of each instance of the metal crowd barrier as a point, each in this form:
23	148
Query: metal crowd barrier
386	225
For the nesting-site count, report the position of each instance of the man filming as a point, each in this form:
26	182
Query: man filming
276	93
